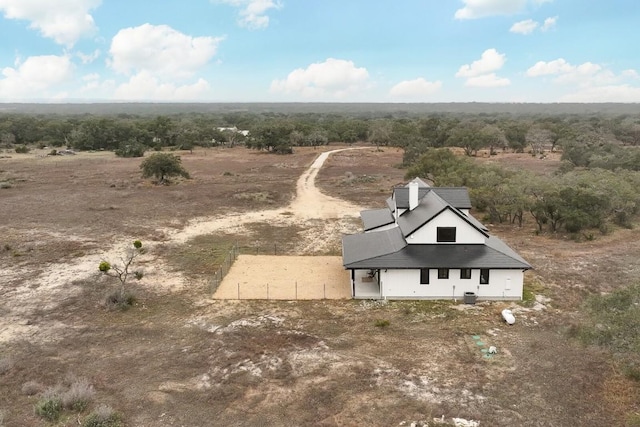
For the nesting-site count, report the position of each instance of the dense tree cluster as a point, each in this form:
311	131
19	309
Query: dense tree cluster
596	186
573	201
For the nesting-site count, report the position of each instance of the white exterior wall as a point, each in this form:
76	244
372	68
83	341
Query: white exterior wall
399	284
465	233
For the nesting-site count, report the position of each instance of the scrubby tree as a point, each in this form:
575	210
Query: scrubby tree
122	272
163	166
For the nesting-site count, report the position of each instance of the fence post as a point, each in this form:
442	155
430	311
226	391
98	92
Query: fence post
267	292
296	289
324	285
275	249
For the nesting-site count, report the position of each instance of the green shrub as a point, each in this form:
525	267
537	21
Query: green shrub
382	323
103	416
49	407
104	266
613	323
120	300
131	149
78	396
22	149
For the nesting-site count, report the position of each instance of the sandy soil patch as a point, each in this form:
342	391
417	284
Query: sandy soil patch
285	278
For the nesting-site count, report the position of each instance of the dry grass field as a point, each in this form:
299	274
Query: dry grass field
178	357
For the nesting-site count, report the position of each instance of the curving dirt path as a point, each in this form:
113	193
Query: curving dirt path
49	286
309	203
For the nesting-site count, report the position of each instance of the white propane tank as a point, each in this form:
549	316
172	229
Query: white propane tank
508	317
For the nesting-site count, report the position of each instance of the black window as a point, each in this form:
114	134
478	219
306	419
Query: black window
443	273
446	234
465	273
484	276
424	276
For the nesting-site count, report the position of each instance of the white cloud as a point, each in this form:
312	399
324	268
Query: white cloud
587	73
474	9
549	23
35	78
160	50
145	86
631	74
89	58
608	93
416	88
487	80
64	21
490	61
524	27
253	13
528	26
333	78
542	68
588	82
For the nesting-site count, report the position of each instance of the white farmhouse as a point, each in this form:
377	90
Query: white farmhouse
426	245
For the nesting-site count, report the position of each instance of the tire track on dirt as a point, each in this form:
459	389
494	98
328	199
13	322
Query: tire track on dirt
45	288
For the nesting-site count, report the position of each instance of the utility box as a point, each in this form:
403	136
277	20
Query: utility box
469	297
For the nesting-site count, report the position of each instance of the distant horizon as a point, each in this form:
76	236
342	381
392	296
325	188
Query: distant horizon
259	51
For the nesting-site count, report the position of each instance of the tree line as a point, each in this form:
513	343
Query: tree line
596	186
601	140
572	200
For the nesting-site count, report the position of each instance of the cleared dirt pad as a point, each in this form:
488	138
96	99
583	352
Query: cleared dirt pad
285	278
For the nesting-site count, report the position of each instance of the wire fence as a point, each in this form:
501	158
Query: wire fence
280	291
224	268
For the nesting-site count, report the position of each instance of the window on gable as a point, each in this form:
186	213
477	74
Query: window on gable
484	276
443	273
446	234
424	276
465	273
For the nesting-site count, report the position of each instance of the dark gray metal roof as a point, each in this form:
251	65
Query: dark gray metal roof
440	256
476	223
501	246
360	247
458	197
430	206
401	196
372	219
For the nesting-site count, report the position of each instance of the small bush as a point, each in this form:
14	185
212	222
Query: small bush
103	416
131	150
104	266
78	396
49	407
6	363
382	323
5	185
22	149
31	388
120	300
53	152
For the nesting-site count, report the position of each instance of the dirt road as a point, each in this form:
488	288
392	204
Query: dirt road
46	287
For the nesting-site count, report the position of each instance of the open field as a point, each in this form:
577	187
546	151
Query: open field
180	357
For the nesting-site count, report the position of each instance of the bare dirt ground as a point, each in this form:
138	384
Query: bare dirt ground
180	357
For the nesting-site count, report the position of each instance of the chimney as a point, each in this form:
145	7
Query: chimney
413	195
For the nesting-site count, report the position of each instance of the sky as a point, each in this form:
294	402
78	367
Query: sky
319	50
